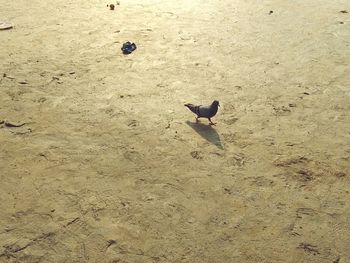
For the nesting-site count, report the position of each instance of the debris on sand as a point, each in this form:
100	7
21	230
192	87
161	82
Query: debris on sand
271	12
10	125
309	248
128	47
13	125
336	260
111	7
344	11
7	76
4	25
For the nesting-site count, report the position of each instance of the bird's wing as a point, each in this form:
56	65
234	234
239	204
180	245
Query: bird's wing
204	111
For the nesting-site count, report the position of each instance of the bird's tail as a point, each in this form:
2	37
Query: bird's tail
189	105
192	107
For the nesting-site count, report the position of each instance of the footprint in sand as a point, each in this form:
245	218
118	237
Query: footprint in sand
260	181
302	211
230	121
281	110
237	160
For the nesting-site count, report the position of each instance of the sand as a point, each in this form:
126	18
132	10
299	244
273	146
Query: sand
108	165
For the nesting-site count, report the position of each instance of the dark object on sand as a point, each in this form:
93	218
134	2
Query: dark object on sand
271	12
111	7
204	111
13	125
128	48
344	11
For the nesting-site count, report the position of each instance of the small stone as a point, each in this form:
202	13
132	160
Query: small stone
41	100
340	174
148	198
111	242
111	7
196	155
8	229
132	123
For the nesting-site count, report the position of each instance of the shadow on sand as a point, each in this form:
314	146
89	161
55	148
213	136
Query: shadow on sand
207	132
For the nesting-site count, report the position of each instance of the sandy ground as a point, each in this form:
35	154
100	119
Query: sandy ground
109	165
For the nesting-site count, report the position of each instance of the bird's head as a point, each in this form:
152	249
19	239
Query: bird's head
216	103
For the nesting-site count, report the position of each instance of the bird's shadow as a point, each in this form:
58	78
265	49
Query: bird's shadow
207	132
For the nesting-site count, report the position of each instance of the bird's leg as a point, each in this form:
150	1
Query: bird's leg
210	122
197	120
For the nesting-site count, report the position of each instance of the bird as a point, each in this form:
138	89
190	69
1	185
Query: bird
204	111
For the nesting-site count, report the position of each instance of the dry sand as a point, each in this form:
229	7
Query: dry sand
109	166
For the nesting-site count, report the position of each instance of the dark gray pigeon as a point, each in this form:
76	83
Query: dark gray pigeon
204	111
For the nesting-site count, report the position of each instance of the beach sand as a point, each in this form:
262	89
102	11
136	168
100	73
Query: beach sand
108	165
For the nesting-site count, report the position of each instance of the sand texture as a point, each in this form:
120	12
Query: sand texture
101	162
